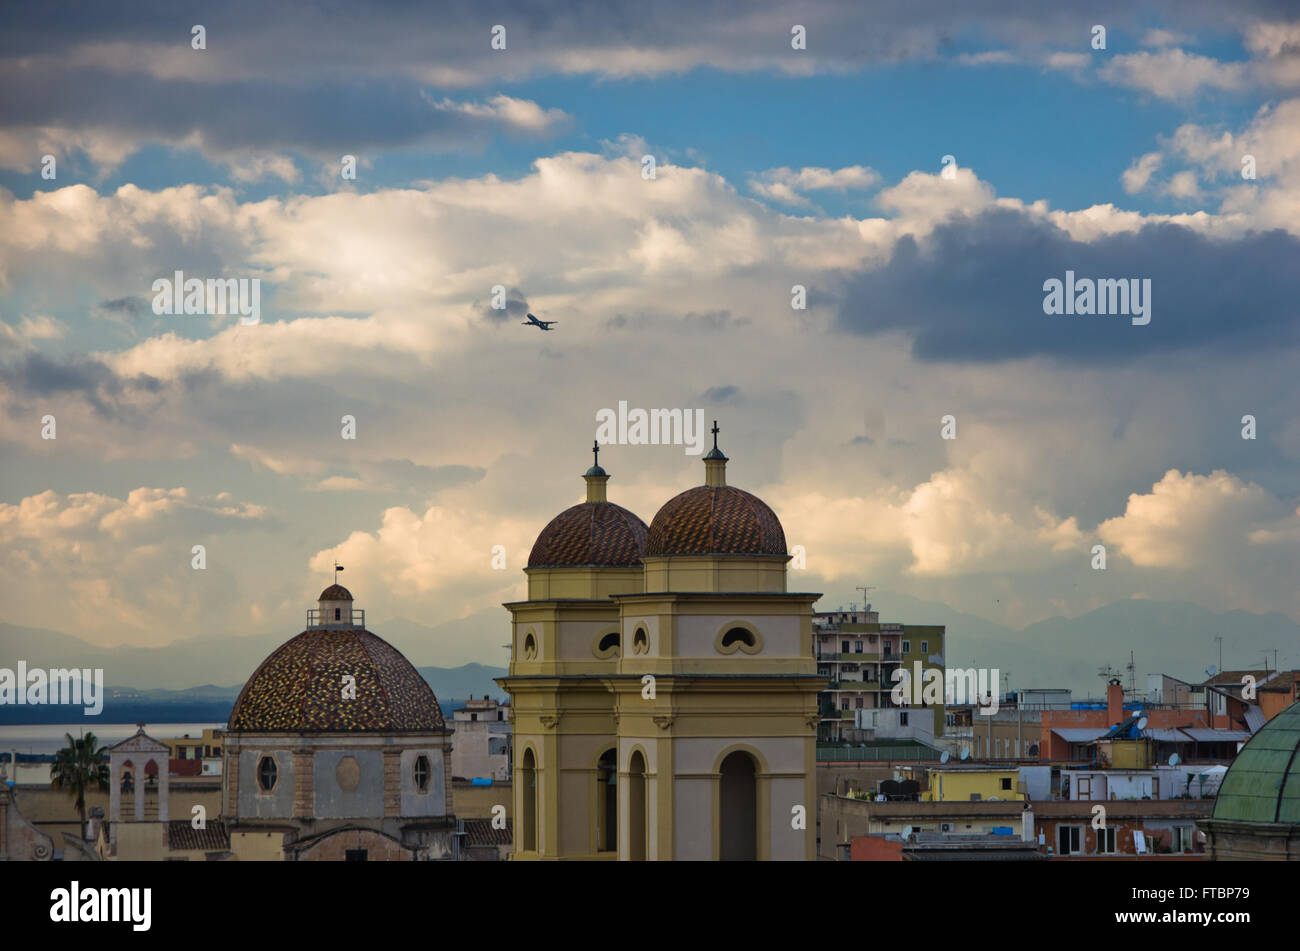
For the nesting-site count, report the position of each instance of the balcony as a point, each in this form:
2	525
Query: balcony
358	619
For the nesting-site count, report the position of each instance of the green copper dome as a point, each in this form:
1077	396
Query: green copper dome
1263	783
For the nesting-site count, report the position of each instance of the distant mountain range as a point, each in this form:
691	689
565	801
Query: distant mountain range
227	660
212	704
1170	637
1176	638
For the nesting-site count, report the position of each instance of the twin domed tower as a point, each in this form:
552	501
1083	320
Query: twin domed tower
663	683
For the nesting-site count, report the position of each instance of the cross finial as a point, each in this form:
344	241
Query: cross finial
715	434
595	451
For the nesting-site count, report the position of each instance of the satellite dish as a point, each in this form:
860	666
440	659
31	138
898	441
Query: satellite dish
1214	669
1142	723
944	757
965	754
1174	759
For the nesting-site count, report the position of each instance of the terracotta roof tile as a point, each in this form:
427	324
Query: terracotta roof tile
182	836
299	688
592	533
709	520
480	832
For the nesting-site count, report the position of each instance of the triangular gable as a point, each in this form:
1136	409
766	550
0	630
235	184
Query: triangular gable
140	743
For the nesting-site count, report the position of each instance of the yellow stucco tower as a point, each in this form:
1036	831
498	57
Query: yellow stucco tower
663	684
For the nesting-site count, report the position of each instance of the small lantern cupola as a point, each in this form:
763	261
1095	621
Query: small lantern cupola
596	477
715	464
335	604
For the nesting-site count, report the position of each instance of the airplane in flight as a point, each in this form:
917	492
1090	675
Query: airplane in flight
534	322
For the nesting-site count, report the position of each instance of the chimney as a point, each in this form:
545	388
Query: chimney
1114	702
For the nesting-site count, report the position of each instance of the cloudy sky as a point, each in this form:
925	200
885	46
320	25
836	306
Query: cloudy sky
524	167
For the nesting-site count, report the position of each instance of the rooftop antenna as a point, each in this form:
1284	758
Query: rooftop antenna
1131	667
1219	638
864	589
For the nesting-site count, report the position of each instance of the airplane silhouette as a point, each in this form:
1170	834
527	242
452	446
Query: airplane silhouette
542	324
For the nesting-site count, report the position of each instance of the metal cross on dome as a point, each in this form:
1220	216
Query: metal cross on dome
715	434
595	451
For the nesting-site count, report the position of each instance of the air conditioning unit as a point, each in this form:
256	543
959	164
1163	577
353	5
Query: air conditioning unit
945	827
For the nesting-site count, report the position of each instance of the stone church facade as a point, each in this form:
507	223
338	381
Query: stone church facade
663	684
337	749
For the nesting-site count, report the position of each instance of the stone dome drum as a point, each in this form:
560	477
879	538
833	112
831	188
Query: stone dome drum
299	688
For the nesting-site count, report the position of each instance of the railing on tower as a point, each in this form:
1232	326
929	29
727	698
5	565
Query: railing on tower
314	619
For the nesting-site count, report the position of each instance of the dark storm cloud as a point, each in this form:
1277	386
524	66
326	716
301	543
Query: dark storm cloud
323	37
974	292
330	78
722	395
134	306
325	118
35	376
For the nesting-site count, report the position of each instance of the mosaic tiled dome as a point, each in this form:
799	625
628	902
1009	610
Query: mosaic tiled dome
715	520
299	688
1263	782
592	533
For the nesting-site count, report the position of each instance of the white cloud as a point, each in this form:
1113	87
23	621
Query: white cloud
259	167
1174	73
1068	62
1137	175
1188	521
923	200
444	553
101	567
786	184
1158	38
988	58
522	115
43	327
1183	185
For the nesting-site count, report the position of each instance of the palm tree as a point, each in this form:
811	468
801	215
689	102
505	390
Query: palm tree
80	766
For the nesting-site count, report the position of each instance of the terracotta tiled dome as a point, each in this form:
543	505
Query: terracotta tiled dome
592	533
298	689
715	520
335	592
